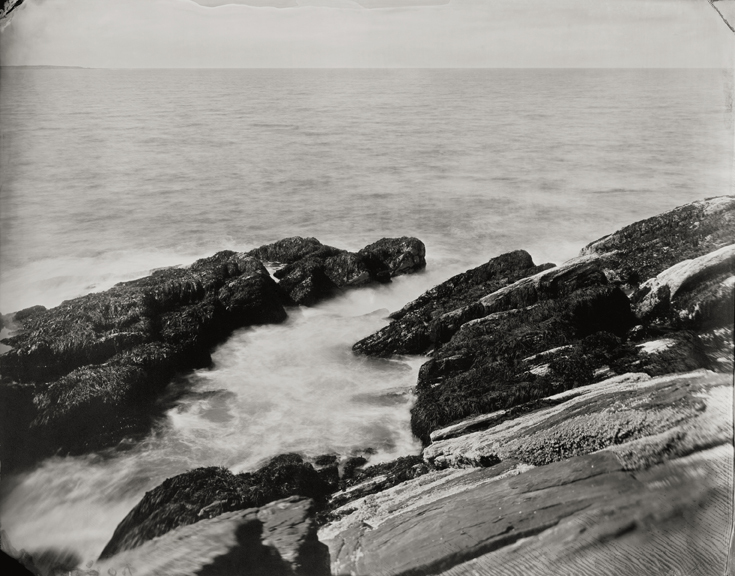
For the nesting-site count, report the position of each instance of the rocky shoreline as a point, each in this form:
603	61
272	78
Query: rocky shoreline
86	374
574	417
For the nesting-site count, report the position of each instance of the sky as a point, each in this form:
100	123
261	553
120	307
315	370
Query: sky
366	33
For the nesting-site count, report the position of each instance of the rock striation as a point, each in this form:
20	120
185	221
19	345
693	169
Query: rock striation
208	492
85	374
278	539
576	419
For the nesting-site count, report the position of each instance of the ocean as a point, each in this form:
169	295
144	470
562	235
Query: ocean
109	174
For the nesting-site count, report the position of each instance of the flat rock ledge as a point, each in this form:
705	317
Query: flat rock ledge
617	464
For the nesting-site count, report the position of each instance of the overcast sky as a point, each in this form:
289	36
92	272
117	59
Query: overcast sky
367	33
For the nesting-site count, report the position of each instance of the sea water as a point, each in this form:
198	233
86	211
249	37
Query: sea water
108	174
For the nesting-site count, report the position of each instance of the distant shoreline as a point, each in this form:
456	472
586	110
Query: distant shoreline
47	66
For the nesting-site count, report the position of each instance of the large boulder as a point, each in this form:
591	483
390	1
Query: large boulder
278	539
314	271
390	257
208	492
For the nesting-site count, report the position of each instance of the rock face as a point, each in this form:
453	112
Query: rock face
207	492
83	375
556	519
278	539
91	366
694	293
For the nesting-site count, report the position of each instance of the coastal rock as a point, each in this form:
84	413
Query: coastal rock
288	250
93	366
485	333
26	313
479	369
465	521
694	293
666	451
414	327
489	514
360	482
314	271
645	249
278	539
687	407
208	492
389	257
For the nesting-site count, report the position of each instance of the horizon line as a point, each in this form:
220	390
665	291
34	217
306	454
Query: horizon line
63	66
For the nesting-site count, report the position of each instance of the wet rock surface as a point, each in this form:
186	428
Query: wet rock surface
575	420
278	539
615	460
668	277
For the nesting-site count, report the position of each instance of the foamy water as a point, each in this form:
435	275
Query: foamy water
107	175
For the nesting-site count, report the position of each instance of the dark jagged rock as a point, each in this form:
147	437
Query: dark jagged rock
359	481
278	539
390	257
208	492
415	327
93	365
288	250
481	369
314	271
